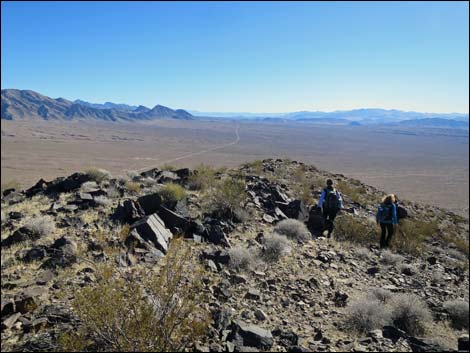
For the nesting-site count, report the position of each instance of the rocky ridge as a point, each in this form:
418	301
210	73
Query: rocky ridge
299	303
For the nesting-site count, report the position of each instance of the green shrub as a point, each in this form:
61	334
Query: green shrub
202	178
172	192
355	230
153	312
411	235
226	198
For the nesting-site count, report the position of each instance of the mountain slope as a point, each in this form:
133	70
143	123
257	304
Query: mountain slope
64	235
27	105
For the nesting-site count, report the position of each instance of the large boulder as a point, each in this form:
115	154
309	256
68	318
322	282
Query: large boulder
150	203
295	209
68	184
246	335
37	188
150	229
176	222
128	212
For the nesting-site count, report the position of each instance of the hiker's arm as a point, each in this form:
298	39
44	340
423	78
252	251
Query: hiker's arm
322	198
340	199
394	213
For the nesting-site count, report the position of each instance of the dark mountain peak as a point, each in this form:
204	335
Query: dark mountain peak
28	104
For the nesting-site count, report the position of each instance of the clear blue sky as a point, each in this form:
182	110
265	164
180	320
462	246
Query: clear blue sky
235	56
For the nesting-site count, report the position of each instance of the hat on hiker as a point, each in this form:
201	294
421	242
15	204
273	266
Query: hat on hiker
329	182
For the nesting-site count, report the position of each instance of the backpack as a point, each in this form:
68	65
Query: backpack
385	213
331	202
401	212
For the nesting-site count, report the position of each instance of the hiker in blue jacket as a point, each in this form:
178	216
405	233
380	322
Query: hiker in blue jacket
330	202
387	219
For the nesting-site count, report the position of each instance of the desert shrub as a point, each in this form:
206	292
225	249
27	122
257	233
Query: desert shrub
133	186
242	215
102	200
123	232
355	230
356	193
98	175
362	253
458	311
226	197
410	313
148	182
168	167
159	312
202	178
242	258
12	184
367	314
113	192
172	192
42	225
256	166
294	229
388	258
122	180
380	294
456	254
133	175
412	234
275	246
436	278
408	269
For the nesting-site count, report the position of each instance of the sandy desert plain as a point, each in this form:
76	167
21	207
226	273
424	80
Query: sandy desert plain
430	167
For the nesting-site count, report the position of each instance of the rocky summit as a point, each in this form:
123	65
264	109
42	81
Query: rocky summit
226	260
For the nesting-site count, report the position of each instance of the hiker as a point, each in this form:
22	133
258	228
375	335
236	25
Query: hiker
387	219
330	202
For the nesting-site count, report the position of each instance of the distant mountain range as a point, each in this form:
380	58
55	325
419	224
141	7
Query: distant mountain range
27	105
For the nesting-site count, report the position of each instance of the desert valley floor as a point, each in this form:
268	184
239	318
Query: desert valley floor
430	168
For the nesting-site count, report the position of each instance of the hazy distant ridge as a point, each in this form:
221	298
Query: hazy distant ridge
28	105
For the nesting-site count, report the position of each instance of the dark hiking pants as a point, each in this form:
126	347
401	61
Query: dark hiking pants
329	217
386	238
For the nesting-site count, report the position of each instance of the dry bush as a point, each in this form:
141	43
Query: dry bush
172	192
113	192
456	254
133	186
122	180
225	198
202	178
354	192
367	314
133	175
362	253
242	258
12	184
275	246
408	269
42	225
458	311
350	228
156	312
293	229
436	278
410	313
98	175
102	200
168	167
380	294
388	258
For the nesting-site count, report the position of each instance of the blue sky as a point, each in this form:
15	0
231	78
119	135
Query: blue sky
236	56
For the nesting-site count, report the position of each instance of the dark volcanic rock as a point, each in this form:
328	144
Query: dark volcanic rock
250	335
35	253
150	203
20	235
151	229
128	212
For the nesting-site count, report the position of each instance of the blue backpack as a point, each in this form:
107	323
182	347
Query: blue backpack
385	213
